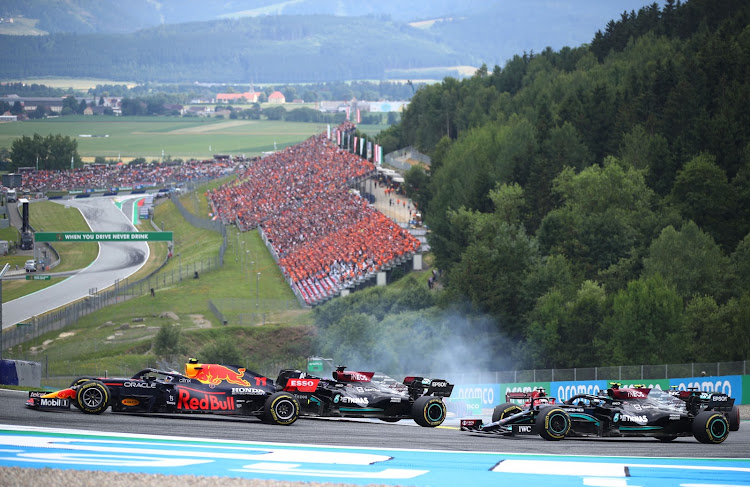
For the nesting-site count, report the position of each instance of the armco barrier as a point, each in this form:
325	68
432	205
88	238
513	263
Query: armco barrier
491	395
20	373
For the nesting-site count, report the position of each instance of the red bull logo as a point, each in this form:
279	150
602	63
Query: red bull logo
203	402
216	374
62	394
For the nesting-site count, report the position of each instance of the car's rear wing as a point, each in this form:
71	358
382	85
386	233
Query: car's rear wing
421	386
533	397
720	402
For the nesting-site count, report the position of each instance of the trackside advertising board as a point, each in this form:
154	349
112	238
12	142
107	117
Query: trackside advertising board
491	395
730	385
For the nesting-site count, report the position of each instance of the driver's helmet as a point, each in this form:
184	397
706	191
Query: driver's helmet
192	368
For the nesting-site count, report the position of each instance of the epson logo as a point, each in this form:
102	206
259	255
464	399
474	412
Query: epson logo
439	384
141	385
53	403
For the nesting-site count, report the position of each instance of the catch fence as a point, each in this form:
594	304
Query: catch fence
616	372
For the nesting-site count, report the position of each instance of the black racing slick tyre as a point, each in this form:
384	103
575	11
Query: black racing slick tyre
79	381
281	408
552	423
428	411
710	427
390	420
733	417
504	410
92	397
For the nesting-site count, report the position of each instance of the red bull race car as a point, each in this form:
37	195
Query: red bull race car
635	411
368	395
203	388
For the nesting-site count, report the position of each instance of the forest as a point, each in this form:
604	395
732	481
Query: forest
288	49
586	207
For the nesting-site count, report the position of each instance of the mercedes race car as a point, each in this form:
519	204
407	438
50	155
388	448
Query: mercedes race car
203	388
636	411
368	395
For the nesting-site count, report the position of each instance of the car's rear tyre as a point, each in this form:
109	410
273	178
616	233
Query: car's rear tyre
710	427
553	423
733	417
92	397
428	411
504	410
281	408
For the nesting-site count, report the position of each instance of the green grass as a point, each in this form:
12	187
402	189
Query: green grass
178	137
100	342
48	216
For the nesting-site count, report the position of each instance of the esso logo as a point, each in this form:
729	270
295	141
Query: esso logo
302	385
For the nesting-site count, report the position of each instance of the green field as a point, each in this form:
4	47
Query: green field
177	137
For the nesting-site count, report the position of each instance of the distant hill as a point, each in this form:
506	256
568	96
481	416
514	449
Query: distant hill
285	41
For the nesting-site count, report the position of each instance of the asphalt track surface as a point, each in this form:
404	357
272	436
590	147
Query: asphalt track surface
364	433
116	261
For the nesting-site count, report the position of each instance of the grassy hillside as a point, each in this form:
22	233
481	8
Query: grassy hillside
119	339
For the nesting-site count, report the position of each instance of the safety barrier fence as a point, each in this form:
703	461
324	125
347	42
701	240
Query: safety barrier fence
617	372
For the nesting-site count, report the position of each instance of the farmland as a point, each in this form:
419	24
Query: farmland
127	137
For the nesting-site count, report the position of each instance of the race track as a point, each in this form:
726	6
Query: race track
116	261
365	433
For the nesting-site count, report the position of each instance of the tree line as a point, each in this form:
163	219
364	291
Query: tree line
314	49
593	203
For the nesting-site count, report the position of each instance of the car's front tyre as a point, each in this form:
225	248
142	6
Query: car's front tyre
281	408
553	423
504	410
92	397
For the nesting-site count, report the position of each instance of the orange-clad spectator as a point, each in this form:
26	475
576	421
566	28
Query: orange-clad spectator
324	236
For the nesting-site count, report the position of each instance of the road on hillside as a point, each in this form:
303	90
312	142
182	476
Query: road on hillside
116	261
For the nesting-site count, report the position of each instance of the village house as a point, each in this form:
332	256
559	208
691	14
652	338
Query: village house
247	97
277	98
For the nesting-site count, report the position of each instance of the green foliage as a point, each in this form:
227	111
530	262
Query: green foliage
689	260
222	350
567	331
646	324
174	53
52	152
606	213
167	342
702	194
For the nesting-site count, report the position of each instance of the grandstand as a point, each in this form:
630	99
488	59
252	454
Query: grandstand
324	237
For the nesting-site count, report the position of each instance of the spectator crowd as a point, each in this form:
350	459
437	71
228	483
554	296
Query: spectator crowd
325	236
102	176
